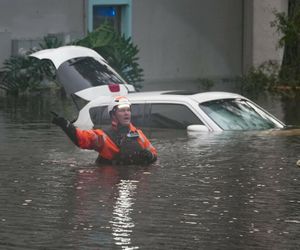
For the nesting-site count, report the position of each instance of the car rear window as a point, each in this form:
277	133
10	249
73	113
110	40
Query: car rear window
85	72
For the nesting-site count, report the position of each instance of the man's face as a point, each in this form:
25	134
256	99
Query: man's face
123	115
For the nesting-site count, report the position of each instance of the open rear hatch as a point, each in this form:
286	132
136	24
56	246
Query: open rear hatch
82	70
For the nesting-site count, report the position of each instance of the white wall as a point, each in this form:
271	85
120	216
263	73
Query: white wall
261	40
32	18
265	40
178	39
188	39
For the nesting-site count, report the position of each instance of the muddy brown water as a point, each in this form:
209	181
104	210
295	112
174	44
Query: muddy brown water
229	190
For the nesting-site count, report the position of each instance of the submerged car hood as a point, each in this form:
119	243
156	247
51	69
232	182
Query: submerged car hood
79	68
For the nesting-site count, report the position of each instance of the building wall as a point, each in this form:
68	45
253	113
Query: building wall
260	39
188	39
31	20
178	40
265	38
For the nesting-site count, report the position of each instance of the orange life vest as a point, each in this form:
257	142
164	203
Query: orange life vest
98	140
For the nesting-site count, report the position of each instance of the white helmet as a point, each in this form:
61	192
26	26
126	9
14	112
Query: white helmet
120	102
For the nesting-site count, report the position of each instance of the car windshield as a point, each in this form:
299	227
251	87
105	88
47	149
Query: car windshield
238	114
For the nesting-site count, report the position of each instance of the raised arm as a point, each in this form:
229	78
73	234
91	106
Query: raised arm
85	139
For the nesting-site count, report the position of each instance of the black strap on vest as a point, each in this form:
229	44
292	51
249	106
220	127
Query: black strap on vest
115	136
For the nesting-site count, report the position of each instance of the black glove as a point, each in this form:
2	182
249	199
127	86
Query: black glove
60	121
66	126
146	156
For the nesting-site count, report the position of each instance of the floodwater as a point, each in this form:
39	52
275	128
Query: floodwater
229	190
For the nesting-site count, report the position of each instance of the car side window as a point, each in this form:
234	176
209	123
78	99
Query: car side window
138	114
99	116
176	116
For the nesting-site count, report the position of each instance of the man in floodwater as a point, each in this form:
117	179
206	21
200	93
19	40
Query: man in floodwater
121	144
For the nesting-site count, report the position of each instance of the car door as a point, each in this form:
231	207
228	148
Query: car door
171	116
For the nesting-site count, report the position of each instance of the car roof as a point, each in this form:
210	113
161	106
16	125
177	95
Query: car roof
168	96
173	95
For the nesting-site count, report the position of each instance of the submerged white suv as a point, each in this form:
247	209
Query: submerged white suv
86	75
208	111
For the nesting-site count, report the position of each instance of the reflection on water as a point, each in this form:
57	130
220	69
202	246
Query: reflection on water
208	191
122	223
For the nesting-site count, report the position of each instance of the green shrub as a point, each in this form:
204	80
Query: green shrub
288	26
24	73
259	79
119	52
205	83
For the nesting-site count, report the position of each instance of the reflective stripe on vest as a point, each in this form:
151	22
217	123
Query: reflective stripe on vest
142	142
